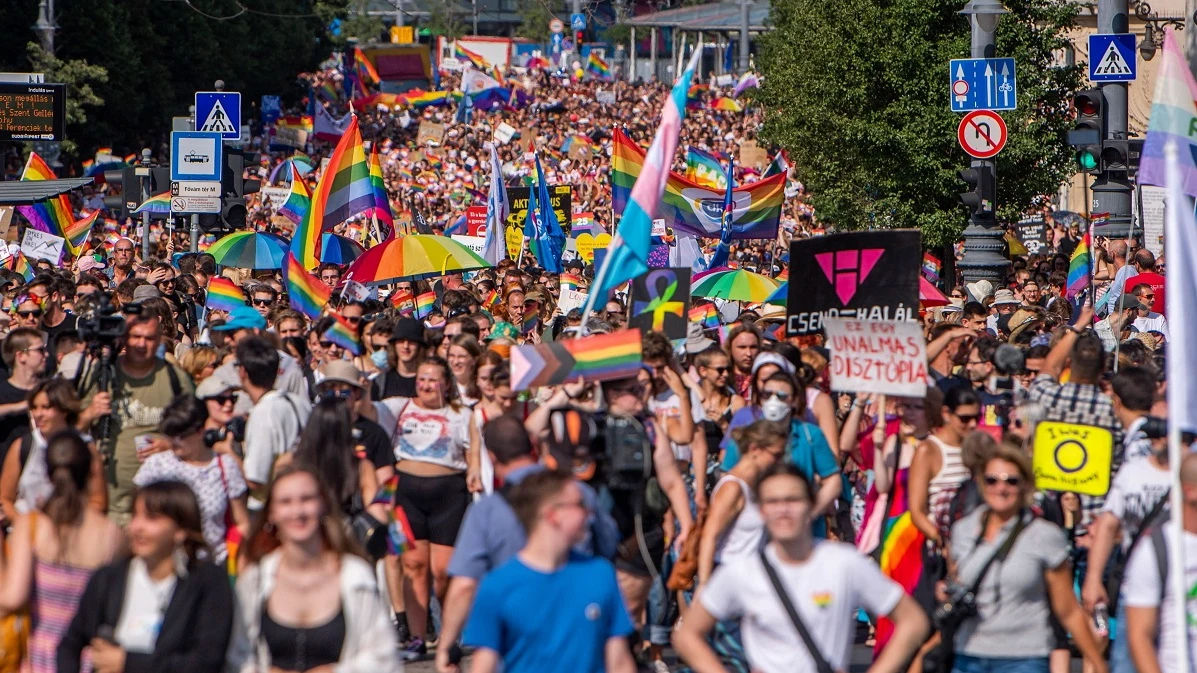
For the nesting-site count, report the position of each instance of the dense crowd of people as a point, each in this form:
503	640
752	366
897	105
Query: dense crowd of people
209	489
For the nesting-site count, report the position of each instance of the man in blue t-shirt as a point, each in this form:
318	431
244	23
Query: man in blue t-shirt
549	609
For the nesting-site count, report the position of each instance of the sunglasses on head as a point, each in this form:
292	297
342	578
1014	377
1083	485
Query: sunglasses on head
1008	479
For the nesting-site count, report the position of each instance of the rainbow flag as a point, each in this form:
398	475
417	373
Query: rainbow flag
931	267
427	98
537	62
382	205
344	190
344	335
726	104
491	298
705	315
601	357
531	324
399	533
1080	266
598	67
1173	114
365	68
54	215
224	295
156	204
78	233
404	301
757	210
475	59
299	200
23	267
307	293
424	305
87	165
570	281
705	169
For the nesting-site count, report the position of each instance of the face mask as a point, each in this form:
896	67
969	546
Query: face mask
774	409
379	358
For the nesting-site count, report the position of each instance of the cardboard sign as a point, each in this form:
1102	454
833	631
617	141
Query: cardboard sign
571	299
40	245
1071	457
475	243
476	220
5	221
1032	233
870	356
277	195
601	357
659	302
658	227
431	133
866	275
753	155
561	197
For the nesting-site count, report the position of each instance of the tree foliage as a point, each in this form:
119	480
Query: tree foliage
443	21
535	16
78	75
861	105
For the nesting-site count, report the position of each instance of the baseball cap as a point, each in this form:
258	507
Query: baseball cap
144	292
214	386
242	317
770	358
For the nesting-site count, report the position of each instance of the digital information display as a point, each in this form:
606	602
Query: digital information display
32	111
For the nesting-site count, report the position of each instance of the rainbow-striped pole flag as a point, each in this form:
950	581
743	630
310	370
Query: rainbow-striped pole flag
475	59
299	200
306	293
344	190
54	215
598	67
1080	266
382	205
1173	115
344	335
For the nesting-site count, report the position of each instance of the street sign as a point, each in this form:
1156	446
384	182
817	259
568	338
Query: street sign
1112	58
219	112
982	84
194	204
32	112
198	188
196	155
577	21
556	26
982	133
23	77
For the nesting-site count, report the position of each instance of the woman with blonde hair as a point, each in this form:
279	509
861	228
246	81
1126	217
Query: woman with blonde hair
306	599
200	362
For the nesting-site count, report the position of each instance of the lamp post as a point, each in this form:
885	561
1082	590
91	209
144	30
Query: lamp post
984	247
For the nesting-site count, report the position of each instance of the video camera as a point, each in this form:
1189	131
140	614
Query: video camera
602	447
235	428
103	324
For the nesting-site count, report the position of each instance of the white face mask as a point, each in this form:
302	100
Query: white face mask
774	409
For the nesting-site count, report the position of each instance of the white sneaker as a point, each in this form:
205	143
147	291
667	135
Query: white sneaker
659	666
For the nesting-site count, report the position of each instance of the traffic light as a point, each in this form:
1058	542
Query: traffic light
578	41
1089	131
124	192
234	188
1115	156
981	196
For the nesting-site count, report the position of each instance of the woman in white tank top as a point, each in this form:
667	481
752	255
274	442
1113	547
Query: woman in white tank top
937	471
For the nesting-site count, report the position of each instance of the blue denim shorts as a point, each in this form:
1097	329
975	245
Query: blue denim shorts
967	664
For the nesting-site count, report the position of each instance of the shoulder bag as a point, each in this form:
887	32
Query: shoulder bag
821	664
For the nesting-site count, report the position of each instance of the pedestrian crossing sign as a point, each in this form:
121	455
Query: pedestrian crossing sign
218	112
1112	58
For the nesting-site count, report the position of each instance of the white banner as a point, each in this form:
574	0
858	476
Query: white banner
475	243
40	245
872	356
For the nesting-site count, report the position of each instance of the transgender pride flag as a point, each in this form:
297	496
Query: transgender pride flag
627	254
1173	114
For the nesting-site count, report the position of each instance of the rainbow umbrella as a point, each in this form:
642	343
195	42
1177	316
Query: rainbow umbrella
779	295
415	257
250	250
726	104
338	249
734	285
302	164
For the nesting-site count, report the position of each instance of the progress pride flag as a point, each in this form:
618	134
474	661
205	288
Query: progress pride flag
869	356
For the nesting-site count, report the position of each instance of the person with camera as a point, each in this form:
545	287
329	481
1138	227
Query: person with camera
1135	502
797	598
215	478
142	387
225	429
1009	573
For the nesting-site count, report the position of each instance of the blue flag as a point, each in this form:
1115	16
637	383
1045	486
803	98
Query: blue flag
546	239
723	251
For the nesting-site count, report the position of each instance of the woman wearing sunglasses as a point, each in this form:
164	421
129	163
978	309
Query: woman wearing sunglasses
497	399
937	470
719	401
1020	592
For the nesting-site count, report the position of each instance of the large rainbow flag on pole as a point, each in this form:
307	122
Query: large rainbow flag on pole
344	190
299	201
382	205
627	254
54	215
475	59
1173	114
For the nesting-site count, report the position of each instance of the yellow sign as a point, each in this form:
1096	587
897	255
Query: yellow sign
403	34
587	244
1070	457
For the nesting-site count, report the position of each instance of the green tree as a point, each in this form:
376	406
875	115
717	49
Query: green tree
359	23
79	76
862	107
443	21
535	16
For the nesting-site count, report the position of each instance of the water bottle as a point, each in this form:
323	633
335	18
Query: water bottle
1101	619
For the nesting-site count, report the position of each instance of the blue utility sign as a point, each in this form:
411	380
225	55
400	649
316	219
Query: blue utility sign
577	21
982	84
218	112
196	155
1112	58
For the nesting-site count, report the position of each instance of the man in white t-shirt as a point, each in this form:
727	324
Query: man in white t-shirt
825	581
1148	595
274	422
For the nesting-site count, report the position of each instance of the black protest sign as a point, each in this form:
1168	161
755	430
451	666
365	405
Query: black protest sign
560	195
1032	233
866	275
660	302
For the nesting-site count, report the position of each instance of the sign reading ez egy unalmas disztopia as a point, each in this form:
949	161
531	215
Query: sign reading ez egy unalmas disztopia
870	356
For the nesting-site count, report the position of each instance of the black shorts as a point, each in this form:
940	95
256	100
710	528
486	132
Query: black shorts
630	558
434	506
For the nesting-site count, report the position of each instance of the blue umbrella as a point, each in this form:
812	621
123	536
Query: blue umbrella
779	295
338	249
250	250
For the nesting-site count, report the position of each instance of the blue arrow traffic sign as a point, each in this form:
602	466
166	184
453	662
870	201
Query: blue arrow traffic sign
982	84
218	112
1112	58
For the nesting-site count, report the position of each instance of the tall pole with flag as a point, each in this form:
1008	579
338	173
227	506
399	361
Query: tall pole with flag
494	248
723	250
546	240
627	254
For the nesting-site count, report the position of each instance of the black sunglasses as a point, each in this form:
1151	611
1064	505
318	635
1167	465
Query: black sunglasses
32	313
263	302
224	399
1008	479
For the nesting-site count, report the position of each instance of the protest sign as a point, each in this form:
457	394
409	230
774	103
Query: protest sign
605	97
475	243
5	221
1150	206
431	133
476	220
601	357
866	275
571	299
561	196
588	243
870	356
504	132
753	155
40	245
276	195
659	301
294	137
1071	457
1032	233
658	227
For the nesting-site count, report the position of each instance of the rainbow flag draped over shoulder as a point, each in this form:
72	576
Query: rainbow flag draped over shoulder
598	67
54	215
382	205
475	59
693	209
1173	115
1080	266
299	201
307	293
344	335
344	190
